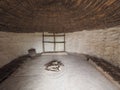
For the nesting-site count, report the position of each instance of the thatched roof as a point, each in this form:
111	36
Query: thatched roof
58	15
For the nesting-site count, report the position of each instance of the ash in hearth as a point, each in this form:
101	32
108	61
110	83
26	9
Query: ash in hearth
54	65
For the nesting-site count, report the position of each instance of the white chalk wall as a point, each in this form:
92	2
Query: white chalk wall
13	45
101	43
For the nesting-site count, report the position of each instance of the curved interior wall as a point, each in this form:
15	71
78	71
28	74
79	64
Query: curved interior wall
100	43
13	45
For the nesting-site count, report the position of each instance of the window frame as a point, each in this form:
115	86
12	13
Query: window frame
54	35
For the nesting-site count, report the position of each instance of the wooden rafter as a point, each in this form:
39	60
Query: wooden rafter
56	15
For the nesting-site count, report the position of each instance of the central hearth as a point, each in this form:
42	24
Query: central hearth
54	65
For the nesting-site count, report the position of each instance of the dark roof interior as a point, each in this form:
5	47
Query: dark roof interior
58	15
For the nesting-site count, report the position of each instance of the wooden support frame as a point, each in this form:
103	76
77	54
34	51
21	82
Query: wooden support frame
54	42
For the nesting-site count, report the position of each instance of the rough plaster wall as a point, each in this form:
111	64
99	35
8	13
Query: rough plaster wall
13	45
101	43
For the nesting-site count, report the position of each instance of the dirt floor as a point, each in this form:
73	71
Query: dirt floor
75	74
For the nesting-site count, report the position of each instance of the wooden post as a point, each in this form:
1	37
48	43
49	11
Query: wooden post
43	42
54	43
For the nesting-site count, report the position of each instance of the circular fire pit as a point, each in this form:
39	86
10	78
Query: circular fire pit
54	65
